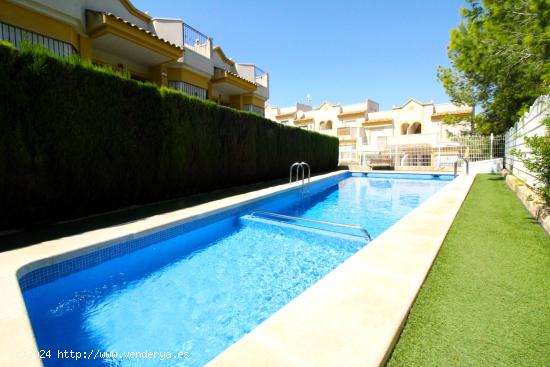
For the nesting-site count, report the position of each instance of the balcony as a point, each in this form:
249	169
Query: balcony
349	133
413	139
230	83
197	41
256	75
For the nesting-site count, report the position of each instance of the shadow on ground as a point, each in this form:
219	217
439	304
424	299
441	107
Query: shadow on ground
50	232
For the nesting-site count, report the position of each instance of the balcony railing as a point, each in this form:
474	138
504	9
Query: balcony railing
196	41
261	77
16	36
348	133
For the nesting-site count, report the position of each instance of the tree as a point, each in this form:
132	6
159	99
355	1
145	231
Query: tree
462	93
500	56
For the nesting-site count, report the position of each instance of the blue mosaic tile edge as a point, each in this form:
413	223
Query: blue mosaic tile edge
121	247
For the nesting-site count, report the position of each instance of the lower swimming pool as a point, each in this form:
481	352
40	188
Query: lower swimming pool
183	295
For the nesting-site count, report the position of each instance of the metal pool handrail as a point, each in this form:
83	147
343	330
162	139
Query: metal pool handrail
456	166
298	167
304	164
352	226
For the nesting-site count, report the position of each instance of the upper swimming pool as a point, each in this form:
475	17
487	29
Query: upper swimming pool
190	291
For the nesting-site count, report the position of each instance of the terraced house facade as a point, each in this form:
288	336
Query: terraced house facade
416	130
165	51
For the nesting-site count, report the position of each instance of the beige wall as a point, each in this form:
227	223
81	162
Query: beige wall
385	123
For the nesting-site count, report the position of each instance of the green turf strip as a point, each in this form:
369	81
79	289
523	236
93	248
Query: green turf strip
486	301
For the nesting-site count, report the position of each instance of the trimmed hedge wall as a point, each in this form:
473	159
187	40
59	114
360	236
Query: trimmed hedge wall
76	141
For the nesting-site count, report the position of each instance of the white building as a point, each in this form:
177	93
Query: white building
362	128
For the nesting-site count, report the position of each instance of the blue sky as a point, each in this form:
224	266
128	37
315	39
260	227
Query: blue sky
341	51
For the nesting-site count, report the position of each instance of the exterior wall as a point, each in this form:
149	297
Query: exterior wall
36	22
362	127
220	63
181	74
169	29
198	62
67	22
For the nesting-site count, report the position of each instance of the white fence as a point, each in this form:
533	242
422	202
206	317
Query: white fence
421	156
529	125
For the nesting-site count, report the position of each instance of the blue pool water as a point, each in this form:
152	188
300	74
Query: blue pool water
190	296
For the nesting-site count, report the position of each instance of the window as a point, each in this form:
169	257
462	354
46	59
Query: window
325	125
415	128
404	129
16	36
256	109
187	88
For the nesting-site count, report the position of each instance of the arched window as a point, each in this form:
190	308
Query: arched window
328	125
322	125
415	128
404	129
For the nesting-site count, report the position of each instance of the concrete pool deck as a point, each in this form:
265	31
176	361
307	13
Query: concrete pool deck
354	314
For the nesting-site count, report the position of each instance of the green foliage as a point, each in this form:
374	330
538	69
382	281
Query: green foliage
500	54
76	139
538	161
5	44
41	55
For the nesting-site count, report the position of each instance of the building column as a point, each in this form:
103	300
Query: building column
85	48
159	75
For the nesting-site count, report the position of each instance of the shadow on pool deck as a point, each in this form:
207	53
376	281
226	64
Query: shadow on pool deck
32	236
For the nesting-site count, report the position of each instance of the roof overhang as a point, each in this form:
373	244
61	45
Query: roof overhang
304	121
351	115
378	122
229	83
116	36
285	115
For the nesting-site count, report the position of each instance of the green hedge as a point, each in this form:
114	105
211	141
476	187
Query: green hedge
76	141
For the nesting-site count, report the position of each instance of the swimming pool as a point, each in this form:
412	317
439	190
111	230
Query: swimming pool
218	277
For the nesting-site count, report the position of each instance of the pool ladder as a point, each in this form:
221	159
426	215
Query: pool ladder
262	213
300	168
456	166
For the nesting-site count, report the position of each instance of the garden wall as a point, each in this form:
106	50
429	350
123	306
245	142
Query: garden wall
76	141
530	124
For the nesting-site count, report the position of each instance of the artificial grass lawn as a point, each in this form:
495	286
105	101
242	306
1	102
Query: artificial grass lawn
486	301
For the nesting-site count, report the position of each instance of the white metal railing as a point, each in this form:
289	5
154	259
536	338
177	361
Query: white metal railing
189	89
348	156
428	156
196	41
253	108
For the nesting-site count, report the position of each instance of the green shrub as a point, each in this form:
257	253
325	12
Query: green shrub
77	140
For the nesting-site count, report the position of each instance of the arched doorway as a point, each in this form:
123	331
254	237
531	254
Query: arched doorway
415	128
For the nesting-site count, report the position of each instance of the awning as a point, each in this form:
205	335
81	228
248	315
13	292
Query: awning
118	37
231	84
